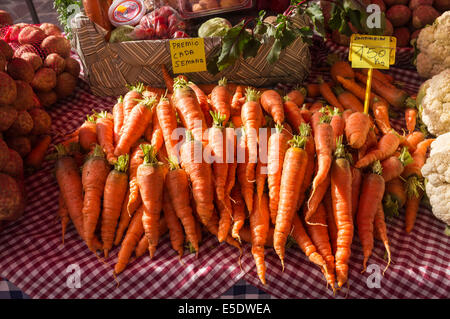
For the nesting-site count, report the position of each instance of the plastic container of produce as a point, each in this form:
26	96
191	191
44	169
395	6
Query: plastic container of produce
126	12
191	9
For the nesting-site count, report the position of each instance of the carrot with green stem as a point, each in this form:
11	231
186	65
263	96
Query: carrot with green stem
150	179
94	174
132	238
272	103
372	190
113	196
341	195
105	135
292	176
217	141
167	120
87	133
191	115
386	146
176	232
297	96
348	100
393	166
418	159
37	155
117	118
221	99
177	186
305	131
276	151
394	197
337	124
130	100
133	128
306	114
259	225
252	115
200	175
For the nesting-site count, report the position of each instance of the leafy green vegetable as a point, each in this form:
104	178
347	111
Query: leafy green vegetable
66	9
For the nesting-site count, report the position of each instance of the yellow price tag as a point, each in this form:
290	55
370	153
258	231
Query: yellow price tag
188	55
370	51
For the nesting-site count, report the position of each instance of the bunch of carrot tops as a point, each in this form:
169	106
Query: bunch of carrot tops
327	168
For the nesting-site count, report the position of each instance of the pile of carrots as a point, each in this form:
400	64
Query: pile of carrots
330	171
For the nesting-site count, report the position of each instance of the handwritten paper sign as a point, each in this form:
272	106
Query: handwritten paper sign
370	51
188	55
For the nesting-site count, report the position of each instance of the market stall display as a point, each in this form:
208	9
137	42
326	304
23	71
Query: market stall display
120	174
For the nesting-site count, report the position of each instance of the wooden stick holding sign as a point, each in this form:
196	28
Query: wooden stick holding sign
371	52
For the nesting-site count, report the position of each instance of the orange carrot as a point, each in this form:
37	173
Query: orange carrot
117	118
356	129
168	122
342	68
379	225
236	101
213	228
259	225
63	215
292	176
200	174
393	166
142	246
341	195
94	174
313	90
410	118
231	157
217	141
246	186
132	238
355	89
176	233
134	199
320	238
113	196
202	99
348	100
87	135
124	220
191	115
414	190
130	100
328	95
316	106
221	100
418	159
337	124
277	147
105	135
306	114
157	139
394	197
381	113
297	96
150	178
272	103
149	130
414	138
305	131
35	158
356	188
330	221
238	207
386	146
383	77
168	80
133	128
177	186
236	120
292	114
372	190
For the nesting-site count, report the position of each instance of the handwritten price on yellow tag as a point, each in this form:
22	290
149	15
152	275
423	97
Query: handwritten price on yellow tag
188	55
368	51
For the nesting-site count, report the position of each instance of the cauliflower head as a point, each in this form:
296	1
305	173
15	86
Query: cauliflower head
434	103
434	46
437	173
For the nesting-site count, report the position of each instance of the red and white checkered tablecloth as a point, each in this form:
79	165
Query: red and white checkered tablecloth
33	258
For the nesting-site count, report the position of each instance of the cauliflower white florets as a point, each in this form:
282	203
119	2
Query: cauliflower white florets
437	173
434	46
434	101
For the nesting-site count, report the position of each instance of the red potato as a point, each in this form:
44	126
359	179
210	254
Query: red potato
47	98
56	44
8	89
403	35
442	5
6	50
2	62
21	144
22	125
44	80
32	58
415	3
399	15
5	18
55	62
380	3
4	154
65	85
31	35
72	67
12	201
50	29
15	31
389	30
8	115
14	165
390	3
25	98
20	69
42	121
424	15
24	48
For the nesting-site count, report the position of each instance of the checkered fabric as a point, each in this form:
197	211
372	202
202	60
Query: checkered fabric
33	258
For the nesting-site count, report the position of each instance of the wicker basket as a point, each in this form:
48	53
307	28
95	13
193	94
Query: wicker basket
108	67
